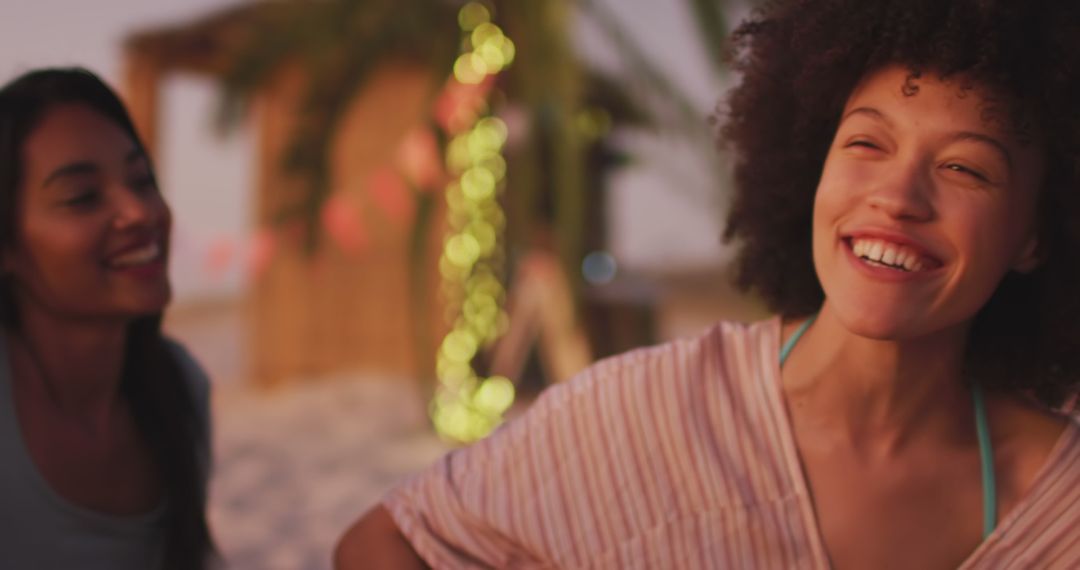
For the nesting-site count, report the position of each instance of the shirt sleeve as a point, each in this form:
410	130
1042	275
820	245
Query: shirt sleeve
549	489
499	503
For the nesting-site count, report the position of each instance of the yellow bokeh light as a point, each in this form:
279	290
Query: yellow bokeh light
453	373
493	56
480	65
496	165
465	69
462	250
480	309
495	395
509	50
458	158
467	407
482	144
484	284
451	420
472	15
459	346
484	33
477	184
484	233
455	199
496	127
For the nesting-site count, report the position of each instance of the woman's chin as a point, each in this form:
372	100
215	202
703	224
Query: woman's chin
878	323
147	304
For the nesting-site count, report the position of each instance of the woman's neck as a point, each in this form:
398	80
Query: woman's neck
76	364
879	395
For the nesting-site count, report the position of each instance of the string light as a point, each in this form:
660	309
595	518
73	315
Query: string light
467	406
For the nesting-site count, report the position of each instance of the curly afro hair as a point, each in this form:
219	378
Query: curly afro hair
799	60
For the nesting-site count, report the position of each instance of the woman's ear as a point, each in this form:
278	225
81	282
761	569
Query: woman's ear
1030	256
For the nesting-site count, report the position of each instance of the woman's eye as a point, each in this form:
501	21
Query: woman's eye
84	200
966	171
863	144
143	184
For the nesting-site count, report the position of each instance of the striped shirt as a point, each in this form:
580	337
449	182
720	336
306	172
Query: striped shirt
676	456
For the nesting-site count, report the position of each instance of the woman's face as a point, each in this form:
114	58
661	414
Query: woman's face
924	204
92	230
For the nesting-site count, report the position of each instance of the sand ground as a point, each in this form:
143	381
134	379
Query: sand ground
293	468
296	465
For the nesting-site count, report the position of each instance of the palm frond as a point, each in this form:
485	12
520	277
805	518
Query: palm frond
712	26
676	110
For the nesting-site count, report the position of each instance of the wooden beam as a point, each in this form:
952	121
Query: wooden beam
142	93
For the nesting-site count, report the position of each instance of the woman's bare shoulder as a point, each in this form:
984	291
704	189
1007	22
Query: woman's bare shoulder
1017	420
1025	436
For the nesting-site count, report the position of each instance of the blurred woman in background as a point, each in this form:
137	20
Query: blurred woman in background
104	431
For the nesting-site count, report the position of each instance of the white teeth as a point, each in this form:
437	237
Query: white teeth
910	262
886	253
139	256
876	250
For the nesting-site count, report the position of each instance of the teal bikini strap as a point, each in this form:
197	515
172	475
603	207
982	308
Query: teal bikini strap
982	428
986	456
790	344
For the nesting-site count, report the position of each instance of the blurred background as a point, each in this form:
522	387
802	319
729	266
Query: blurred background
396	221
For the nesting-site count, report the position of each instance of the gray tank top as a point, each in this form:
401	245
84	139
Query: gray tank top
39	529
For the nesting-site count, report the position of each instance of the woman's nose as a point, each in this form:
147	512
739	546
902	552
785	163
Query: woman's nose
133	207
906	194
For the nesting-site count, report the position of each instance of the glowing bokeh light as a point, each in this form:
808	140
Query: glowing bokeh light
462	250
466	407
496	165
485	33
497	393
599	268
491	54
465	70
477	184
472	15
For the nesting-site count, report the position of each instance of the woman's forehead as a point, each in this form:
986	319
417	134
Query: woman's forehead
899	85
72	132
956	98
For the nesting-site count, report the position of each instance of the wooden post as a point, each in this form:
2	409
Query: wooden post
338	310
141	92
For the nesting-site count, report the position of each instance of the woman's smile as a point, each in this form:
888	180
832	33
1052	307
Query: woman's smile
884	260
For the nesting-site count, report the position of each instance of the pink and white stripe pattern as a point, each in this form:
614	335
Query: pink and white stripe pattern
677	456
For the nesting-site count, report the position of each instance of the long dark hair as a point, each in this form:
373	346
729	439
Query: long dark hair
153	383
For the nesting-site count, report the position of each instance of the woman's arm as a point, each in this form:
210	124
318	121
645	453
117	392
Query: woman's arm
374	541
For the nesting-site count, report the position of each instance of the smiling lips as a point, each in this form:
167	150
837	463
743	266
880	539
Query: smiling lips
139	256
883	253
